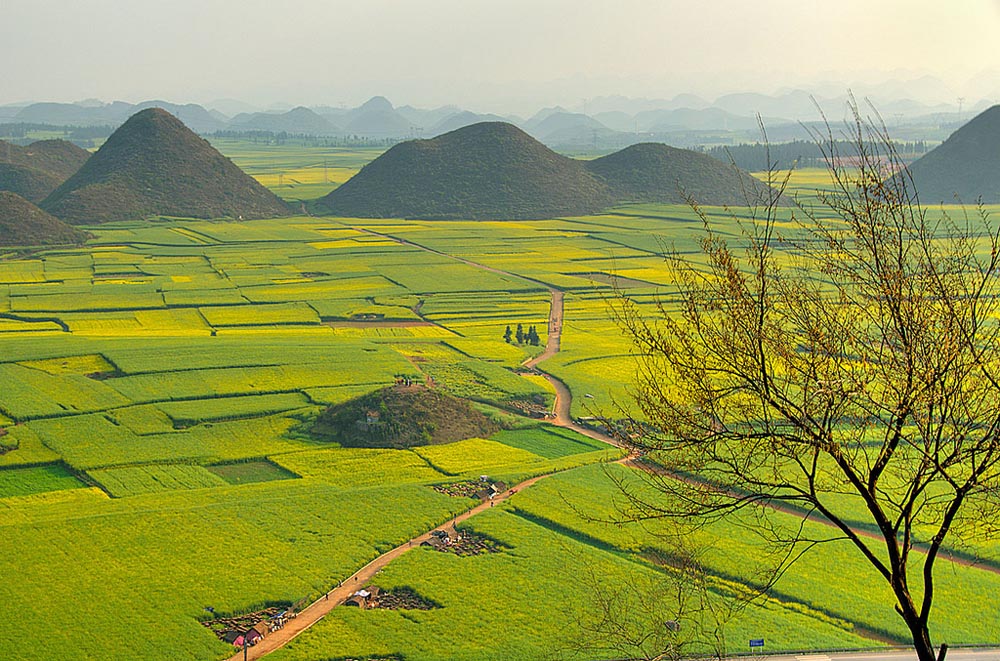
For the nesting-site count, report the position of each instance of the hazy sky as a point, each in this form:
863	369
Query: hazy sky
500	55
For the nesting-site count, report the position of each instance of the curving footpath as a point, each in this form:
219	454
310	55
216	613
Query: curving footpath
563	401
338	595
315	611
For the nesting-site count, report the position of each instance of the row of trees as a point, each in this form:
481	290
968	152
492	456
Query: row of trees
759	157
522	337
259	136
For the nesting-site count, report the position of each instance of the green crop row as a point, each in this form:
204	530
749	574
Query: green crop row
133	480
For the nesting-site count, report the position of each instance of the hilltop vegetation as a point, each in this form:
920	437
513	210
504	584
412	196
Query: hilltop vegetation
493	170
154	165
965	167
489	170
60	157
651	172
24	224
402	416
36	170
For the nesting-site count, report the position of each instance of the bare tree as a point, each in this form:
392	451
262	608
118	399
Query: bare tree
846	369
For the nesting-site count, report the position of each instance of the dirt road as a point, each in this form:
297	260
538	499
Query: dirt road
336	596
319	608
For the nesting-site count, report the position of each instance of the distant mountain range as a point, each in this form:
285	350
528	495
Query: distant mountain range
603	123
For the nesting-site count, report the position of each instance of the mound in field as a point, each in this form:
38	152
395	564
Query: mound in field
154	165
653	172
965	167
401	417
496	171
490	170
36	170
24	224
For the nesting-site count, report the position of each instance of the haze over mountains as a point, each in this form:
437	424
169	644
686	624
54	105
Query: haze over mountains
154	165
605	122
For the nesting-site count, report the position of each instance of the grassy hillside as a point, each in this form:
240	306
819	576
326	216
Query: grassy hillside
966	166
28	182
493	170
24	224
36	170
489	170
59	157
154	165
651	172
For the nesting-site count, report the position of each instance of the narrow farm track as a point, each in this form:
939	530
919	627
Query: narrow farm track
564	398
553	342
336	596
563	418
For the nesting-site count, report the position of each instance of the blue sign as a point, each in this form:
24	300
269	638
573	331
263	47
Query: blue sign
756	642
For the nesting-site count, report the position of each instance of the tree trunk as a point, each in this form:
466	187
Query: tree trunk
921	639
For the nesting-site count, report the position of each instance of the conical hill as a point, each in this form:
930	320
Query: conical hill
653	172
965	167
494	170
24	224
489	170
154	165
35	170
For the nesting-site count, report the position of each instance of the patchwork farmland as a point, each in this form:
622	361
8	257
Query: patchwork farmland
157	470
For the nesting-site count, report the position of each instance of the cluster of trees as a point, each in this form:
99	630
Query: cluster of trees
522	337
256	136
82	136
759	157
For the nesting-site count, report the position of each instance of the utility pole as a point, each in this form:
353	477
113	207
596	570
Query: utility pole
961	100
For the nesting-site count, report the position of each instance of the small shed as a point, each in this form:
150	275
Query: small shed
436	543
364	598
257	632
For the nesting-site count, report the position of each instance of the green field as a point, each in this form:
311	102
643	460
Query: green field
36	479
159	382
